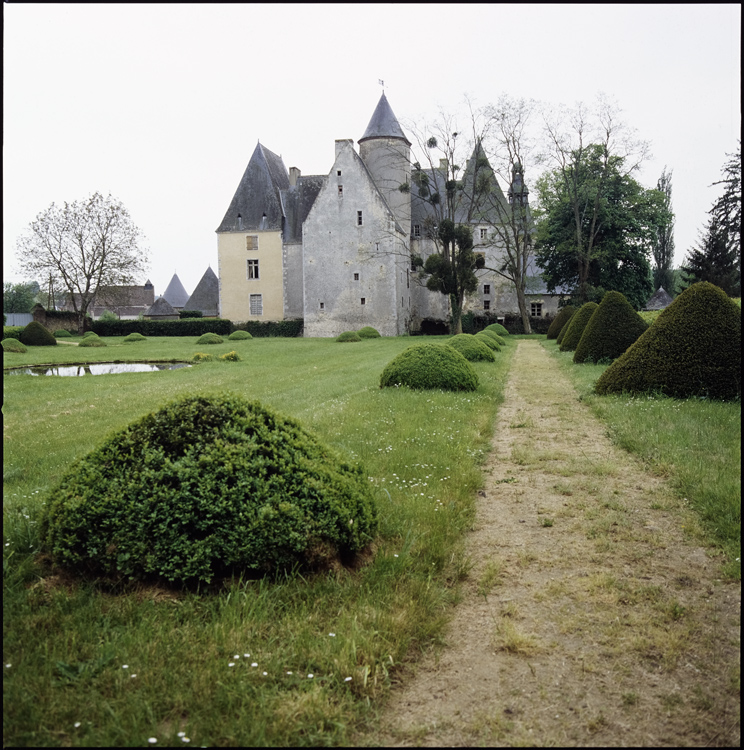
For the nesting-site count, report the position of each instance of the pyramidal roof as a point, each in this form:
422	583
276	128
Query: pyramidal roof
658	300
160	307
175	294
384	124
256	204
206	295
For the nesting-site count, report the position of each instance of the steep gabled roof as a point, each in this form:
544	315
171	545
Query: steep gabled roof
297	202
175	294
384	124
206	295
256	204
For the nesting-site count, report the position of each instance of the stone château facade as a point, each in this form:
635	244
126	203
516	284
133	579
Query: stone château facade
336	249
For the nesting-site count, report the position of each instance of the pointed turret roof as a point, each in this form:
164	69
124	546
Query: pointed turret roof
658	300
256	204
384	124
175	294
206	295
160	307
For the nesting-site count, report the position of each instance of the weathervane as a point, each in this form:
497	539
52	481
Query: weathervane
382	83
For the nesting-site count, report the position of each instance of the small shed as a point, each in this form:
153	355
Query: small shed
658	300
161	309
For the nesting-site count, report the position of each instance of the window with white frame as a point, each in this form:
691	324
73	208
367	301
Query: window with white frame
536	309
484	234
252	268
256	304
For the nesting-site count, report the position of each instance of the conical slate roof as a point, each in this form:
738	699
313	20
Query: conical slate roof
161	306
384	124
206	295
175	294
658	300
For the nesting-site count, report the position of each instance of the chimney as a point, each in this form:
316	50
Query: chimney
340	144
443	165
294	173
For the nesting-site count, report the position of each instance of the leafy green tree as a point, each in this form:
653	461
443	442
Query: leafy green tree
596	228
83	246
715	259
663	248
19	298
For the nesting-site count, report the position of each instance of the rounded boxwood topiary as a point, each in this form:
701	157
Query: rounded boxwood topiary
92	341
495	336
368	333
132	337
348	337
13	345
88	334
34	334
62	334
692	349
209	338
471	348
575	326
204	487
614	326
430	366
490	342
239	336
497	328
564	315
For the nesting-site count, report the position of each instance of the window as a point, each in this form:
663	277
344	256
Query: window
408	279
340	191
322	305
251	243
364	300
356	277
338	172
256	304
486	289
536	309
359	218
417	230
252	268
486	304
484	234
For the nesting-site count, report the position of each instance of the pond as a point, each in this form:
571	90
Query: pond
96	368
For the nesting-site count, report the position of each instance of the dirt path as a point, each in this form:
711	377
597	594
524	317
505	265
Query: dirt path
590	616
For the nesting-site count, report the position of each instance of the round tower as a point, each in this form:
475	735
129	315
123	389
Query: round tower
386	152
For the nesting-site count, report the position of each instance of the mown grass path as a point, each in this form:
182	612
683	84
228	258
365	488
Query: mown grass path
591	615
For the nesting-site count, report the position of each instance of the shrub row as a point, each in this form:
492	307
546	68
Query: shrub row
12	332
279	328
186	327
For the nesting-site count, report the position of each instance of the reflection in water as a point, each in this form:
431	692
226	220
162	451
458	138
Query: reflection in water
101	368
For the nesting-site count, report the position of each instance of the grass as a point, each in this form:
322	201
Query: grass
694	443
300	660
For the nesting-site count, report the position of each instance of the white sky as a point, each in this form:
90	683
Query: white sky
162	105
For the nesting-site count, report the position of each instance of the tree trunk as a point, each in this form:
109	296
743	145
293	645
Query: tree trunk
522	304
456	315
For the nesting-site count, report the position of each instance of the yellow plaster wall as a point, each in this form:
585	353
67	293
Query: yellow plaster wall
236	287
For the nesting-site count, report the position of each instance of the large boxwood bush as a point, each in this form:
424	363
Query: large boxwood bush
34	334
426	366
575	327
614	326
207	486
472	348
564	315
693	349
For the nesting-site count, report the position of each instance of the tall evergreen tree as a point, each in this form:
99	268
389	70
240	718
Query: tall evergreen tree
663	247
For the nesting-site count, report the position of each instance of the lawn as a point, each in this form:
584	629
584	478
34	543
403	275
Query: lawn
324	646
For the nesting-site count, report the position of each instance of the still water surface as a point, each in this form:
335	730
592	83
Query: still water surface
97	368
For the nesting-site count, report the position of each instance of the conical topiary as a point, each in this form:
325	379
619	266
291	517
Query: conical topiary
692	349
564	315
576	325
34	334
614	326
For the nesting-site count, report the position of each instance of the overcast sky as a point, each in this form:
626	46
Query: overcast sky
162	105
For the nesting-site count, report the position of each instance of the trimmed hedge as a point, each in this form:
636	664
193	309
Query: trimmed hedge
368	333
92	341
134	337
210	338
186	327
12	332
62	333
239	336
430	366
498	329
13	345
348	337
493	335
614	326
473	349
34	334
278	328
205	487
564	315
490	342
692	350
575	326
190	314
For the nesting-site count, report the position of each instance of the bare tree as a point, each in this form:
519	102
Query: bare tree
575	137
82	247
